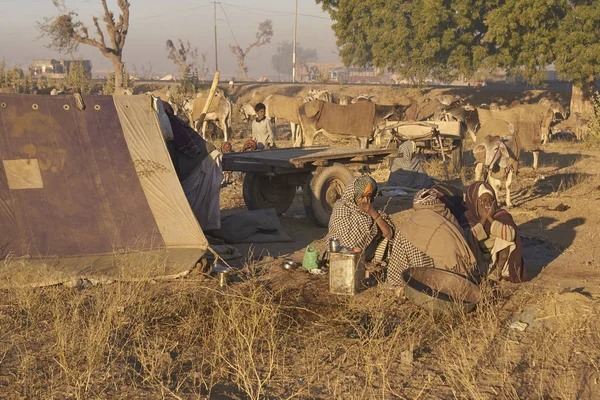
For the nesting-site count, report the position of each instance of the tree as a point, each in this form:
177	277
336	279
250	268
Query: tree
77	79
183	56
263	37
446	39
282	60
66	33
531	34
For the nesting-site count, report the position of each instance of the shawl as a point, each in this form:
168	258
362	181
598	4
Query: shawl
353	227
515	261
440	238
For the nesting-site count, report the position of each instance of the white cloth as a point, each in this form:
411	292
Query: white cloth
202	189
483	190
262	133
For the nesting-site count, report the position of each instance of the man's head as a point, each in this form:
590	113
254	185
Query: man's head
260	111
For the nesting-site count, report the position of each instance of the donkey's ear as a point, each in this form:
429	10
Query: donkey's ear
511	129
503	150
479	153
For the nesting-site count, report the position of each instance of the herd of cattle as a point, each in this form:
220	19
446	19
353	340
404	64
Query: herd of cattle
500	133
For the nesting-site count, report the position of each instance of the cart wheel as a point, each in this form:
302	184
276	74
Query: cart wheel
323	190
261	191
457	156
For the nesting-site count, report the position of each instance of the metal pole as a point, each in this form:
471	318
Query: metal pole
215	23
294	49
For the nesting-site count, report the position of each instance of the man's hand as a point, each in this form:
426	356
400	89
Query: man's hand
364	205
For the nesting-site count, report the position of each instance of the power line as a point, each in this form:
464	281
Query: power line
281	13
170	12
230	28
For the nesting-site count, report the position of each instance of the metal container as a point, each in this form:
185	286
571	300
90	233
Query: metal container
334	245
346	272
289	265
223	278
222	274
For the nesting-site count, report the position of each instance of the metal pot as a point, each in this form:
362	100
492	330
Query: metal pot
334	245
289	265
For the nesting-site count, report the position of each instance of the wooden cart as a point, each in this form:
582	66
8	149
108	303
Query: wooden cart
272	176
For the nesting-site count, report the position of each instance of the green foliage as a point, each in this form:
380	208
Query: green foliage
78	80
189	84
282	60
445	39
109	85
594	124
16	79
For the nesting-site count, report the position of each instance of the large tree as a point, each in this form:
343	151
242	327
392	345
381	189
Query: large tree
263	37
445	39
66	33
282	59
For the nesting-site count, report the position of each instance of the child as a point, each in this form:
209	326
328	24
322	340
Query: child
262	133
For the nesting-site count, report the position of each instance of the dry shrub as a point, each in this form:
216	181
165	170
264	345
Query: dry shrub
188	338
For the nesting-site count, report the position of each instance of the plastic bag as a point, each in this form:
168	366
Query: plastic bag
311	258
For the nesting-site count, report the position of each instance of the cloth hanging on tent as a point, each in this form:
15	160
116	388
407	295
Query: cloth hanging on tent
202	189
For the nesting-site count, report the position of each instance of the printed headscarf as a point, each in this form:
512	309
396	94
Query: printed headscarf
427	197
365	185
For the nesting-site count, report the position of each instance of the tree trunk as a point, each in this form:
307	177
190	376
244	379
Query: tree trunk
119	70
581	99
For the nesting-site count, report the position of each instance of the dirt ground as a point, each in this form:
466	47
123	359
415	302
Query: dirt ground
280	334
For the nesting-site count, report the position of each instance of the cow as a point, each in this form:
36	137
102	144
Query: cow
323	95
497	155
279	107
219	111
531	121
359	120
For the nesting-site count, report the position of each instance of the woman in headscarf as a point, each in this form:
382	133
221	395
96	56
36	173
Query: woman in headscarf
431	237
493	235
356	223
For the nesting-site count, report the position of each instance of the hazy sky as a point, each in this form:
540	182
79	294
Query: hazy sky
152	22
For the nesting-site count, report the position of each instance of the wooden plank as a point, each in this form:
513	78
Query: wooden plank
295	157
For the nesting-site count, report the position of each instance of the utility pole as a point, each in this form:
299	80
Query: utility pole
215	24
294	49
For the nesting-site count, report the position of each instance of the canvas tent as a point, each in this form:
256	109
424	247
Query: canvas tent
89	190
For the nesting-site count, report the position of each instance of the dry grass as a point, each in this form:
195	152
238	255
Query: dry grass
187	339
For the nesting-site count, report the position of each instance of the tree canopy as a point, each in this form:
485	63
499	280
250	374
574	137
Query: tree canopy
282	59
66	33
445	39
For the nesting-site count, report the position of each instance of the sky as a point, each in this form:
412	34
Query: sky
152	22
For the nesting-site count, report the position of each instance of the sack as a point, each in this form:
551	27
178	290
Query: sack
311	258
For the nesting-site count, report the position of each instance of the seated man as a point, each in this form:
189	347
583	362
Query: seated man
407	170
431	237
356	223
493	235
262	133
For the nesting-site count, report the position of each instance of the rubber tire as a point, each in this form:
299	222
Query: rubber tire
316	206
457	157
256	188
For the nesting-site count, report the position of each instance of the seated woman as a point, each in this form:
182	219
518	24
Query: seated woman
431	237
356	223
493	235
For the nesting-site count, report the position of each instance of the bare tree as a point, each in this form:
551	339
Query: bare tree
183	56
66	33
263	37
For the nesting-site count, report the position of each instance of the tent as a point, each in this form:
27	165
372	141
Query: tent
87	189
